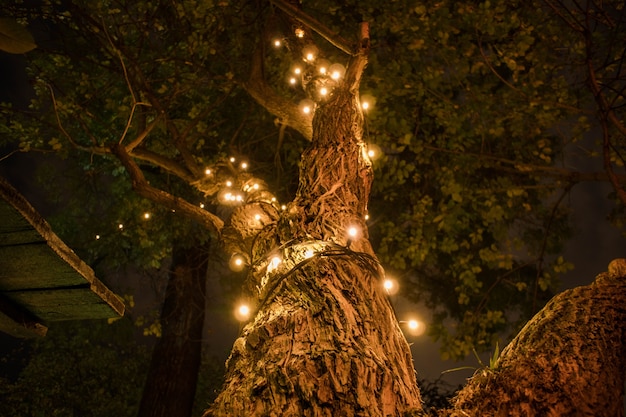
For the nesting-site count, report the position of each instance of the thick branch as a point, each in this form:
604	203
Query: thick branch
144	189
287	111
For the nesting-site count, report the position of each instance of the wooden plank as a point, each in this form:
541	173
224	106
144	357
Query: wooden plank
40	273
34	266
59	304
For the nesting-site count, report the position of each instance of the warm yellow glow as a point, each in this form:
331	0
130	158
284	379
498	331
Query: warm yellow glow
274	263
336	71
415	327
97	237
257	217
244	165
232	159
242	312
391	286
309	52
120	226
307	106
367	102
299	33
371	153
367	217
309	253
322	66
201	205
277	43
297	70
283	207
323	91
147	216
293	81
229	183
353	231
237	262
207	171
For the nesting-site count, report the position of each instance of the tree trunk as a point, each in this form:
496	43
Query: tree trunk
569	360
323	340
171	383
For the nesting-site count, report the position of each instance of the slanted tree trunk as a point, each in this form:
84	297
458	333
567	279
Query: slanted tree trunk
569	360
323	340
171	383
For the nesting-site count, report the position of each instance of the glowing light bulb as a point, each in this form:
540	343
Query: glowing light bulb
367	217
309	253
388	284
307	106
255	186
322	66
277	43
336	71
257	217
371	153
353	231
299	33
415	327
207	171
202	205
229	183
323	91
237	262
309	52
297	70
147	216
242	312
120	226
293	81
413	324
283	207
232	159
97	237
367	102
244	165
274	263
365	105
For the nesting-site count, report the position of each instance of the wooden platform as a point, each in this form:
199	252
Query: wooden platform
41	279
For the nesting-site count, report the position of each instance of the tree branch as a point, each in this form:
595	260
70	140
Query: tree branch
315	26
144	189
287	111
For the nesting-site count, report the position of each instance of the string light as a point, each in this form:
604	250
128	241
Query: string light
229	183
299	32
277	43
353	231
322	66
323	91
309	52
207	171
97	237
147	216
237	262
120	226
336	71
293	81
201	205
244	165
367	102
273	264
306	106
242	312
390	285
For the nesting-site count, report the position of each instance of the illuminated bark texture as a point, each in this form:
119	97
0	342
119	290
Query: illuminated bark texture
324	340
569	360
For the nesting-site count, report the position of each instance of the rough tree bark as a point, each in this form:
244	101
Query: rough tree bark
569	360
171	383
323	340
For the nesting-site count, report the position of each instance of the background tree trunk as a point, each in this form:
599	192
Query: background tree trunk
569	360
171	383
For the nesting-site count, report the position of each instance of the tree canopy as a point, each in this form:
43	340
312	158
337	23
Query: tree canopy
474	108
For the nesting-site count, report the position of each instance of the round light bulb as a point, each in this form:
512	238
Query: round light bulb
207	171
307	106
244	165
299	33
242	312
323	91
237	263
336	71
120	226
353	231
277	43
147	216
229	183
